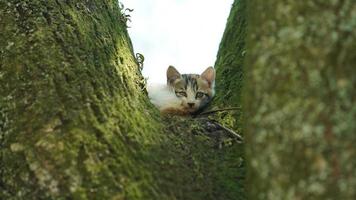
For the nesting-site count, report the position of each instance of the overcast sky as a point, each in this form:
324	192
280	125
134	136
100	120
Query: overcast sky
182	33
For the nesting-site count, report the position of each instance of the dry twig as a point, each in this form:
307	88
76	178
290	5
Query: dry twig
218	110
233	133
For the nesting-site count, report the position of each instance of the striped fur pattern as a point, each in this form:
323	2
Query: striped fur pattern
192	91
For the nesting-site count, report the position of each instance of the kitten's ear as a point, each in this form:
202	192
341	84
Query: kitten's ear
172	74
209	75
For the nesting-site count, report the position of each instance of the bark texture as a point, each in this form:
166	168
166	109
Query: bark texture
74	123
300	99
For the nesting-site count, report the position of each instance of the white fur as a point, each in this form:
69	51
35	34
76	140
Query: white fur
163	96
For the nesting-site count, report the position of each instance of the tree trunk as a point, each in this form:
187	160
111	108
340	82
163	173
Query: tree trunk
300	100
74	122
229	65
230	57
229	82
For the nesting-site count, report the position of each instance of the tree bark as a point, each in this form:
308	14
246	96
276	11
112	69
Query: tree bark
74	122
299	100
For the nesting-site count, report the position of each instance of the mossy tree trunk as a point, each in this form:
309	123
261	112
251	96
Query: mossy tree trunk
300	99
229	65
229	82
74	122
229	62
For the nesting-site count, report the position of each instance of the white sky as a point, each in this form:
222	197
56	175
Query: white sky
182	33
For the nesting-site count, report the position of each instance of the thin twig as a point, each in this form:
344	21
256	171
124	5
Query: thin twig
233	133
218	110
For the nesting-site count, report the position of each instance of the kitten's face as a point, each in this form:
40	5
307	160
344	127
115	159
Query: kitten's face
195	91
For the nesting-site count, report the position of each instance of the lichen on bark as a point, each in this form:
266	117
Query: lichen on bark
299	99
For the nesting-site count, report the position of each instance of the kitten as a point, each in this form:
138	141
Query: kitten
184	93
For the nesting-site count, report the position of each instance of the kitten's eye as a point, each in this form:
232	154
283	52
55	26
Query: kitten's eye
199	95
181	93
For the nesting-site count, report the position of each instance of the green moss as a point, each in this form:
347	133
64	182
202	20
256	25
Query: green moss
229	82
229	66
231	56
203	163
73	122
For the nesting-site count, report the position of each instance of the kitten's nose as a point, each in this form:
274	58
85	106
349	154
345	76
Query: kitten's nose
191	105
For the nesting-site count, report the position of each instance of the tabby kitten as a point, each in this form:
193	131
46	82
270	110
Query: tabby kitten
184	93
